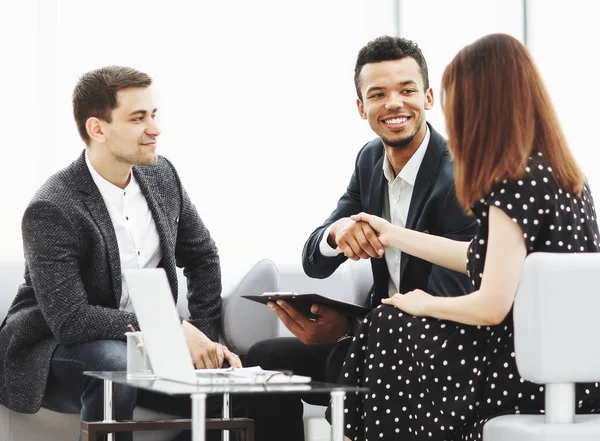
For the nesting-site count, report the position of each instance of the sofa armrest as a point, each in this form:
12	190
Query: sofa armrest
243	322
11	276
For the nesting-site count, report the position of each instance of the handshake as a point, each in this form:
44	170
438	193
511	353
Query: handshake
360	236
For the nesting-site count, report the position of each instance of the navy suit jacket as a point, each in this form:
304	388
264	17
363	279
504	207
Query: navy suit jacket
433	208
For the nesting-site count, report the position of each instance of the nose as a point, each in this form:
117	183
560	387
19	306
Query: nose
152	129
395	101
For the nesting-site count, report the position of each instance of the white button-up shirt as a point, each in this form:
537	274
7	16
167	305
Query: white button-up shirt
396	203
135	229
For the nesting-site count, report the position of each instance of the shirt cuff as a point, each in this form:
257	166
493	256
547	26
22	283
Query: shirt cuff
325	248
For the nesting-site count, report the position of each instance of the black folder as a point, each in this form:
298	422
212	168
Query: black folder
303	303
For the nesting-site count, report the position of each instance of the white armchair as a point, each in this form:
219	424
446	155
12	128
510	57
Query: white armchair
556	340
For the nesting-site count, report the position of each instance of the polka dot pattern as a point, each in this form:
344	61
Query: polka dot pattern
431	379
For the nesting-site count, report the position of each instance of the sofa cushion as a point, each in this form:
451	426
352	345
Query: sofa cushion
11	276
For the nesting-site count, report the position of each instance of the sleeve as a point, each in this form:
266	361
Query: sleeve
196	253
457	225
52	246
525	203
314	263
324	246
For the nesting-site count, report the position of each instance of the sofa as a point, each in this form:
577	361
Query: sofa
555	317
243	323
237	332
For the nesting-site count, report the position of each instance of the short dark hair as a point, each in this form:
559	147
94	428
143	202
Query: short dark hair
95	94
386	48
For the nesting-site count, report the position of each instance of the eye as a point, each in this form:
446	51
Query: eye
376	95
154	116
409	91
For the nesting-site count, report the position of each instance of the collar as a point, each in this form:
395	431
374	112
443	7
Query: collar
108	189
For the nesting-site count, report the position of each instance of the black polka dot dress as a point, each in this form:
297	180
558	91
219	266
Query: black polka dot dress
431	379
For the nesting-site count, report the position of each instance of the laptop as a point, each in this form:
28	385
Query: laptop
164	340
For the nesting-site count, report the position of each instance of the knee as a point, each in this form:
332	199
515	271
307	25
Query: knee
261	353
109	355
335	361
382	314
274	353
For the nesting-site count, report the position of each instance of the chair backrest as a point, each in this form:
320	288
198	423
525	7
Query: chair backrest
244	322
351	282
556	317
357	279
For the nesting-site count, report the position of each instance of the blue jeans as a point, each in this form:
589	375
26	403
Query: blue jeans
70	391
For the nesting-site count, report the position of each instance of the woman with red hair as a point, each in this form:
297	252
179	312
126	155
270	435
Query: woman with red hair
440	367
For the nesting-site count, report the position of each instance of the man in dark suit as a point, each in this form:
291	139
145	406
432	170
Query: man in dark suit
406	176
117	206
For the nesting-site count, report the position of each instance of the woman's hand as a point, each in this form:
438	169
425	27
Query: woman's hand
413	302
382	227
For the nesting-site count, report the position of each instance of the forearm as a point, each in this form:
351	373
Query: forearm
197	253
90	323
204	296
209	326
314	263
477	308
438	250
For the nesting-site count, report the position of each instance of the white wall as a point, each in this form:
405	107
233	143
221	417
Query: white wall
563	40
18	116
257	102
442	28
257	105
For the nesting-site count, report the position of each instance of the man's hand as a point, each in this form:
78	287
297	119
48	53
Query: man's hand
383	229
233	359
357	240
205	353
329	326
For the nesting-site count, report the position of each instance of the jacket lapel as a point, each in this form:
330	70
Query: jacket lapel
425	178
151	191
375	204
97	208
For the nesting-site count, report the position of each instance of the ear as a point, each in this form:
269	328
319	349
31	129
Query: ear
361	108
429	99
94	129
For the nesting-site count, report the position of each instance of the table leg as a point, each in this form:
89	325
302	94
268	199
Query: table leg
198	417
337	415
250	432
226	416
108	406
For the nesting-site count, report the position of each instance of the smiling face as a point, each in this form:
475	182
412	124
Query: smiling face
131	135
394	101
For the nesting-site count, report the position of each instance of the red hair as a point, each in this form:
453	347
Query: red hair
497	113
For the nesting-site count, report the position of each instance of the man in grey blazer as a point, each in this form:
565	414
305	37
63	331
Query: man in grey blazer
117	206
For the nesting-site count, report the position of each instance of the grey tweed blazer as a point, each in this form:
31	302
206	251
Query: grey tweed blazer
72	284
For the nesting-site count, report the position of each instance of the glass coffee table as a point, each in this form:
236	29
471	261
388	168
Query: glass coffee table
198	394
